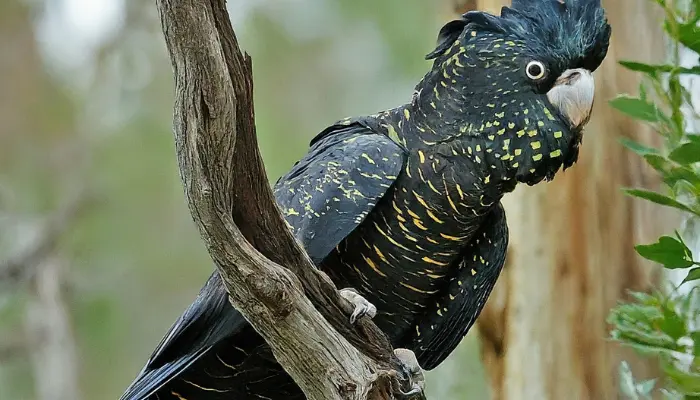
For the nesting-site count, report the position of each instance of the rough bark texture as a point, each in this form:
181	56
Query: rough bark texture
571	258
266	272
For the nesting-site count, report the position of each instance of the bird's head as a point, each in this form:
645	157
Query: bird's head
524	74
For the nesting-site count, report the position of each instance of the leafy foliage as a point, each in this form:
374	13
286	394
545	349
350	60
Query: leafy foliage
666	326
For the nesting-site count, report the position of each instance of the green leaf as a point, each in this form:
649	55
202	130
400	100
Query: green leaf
637	147
653	70
689	36
687	153
637	108
693	275
667	251
658	198
657	162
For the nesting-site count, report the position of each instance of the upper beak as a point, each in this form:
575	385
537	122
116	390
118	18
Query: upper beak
573	94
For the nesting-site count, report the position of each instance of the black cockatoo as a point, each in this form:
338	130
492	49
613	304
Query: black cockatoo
404	206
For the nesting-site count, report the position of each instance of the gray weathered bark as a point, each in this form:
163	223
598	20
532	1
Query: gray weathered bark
267	274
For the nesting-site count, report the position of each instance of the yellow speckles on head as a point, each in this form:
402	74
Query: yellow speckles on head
473	271
492	137
421	157
555	153
521	133
487	179
526	112
491	105
431	261
532	133
489	124
506	144
515	165
535	145
473	33
500	114
407	114
501	132
518	152
537	157
439	312
478	147
557	134
511	125
506	157
452	297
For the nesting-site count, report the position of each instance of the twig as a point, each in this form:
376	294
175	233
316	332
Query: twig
231	203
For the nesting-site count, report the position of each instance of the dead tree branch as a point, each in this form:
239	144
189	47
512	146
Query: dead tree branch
268	276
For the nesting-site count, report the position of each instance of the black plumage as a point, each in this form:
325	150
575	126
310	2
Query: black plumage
404	206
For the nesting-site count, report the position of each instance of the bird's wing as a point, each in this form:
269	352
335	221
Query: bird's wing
331	190
206	321
323	198
454	312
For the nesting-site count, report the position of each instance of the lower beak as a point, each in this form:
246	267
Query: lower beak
573	94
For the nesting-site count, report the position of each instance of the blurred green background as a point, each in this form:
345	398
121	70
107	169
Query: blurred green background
85	102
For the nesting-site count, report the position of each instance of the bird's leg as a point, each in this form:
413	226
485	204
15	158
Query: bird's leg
415	373
361	306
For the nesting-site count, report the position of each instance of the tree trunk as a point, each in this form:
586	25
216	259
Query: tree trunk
571	259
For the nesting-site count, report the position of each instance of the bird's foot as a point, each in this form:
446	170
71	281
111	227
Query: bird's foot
361	306
415	373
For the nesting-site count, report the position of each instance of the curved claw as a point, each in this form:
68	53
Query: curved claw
415	372
362	306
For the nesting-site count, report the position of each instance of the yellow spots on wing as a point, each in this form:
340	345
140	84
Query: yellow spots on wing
506	144
516	164
421	157
419	224
443	84
206	389
431	261
398	210
469	149
478	148
389	238
380	254
439	312
291	211
526	112
178	395
501	131
518	152
473	271
535	145
500	115
452	238
435	276
431	240
437	94
521	133
532	133
473	33
540	123
373	266
415	289
432	187
537	157
491	105
432	104
459	190
491	137
548	114
407	114
555	153
557	134
368	158
489	124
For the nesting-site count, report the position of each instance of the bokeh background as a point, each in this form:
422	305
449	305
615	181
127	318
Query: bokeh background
86	98
98	254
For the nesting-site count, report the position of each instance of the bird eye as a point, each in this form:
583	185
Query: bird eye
535	70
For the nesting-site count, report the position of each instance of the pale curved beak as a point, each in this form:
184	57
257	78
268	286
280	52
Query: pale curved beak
573	94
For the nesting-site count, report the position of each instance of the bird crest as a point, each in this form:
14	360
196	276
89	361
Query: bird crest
576	32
